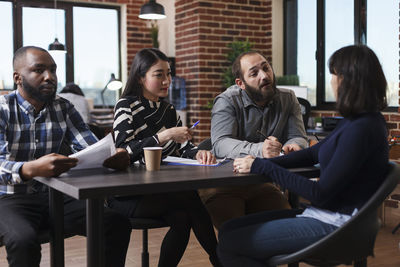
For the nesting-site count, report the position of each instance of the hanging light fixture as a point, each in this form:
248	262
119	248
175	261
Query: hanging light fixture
56	46
152	10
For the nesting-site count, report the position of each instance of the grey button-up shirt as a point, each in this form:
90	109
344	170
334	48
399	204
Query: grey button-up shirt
235	120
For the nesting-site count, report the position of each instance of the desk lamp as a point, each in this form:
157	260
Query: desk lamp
112	85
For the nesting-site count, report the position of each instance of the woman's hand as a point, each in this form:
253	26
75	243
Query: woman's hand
177	134
243	165
119	161
205	157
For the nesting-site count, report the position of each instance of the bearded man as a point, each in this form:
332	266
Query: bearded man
255	118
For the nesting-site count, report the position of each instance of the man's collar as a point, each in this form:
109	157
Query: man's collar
24	104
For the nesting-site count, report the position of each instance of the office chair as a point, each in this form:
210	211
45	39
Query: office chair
145	224
351	243
305	110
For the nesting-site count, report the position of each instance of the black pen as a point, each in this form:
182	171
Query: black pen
266	137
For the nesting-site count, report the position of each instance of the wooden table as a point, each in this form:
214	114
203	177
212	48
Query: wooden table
97	184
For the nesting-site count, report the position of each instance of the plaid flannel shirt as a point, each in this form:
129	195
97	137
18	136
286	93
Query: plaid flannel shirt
25	137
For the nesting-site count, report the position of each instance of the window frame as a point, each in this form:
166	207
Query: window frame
68	8
290	43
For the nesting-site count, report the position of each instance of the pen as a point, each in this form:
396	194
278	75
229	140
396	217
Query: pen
263	135
195	124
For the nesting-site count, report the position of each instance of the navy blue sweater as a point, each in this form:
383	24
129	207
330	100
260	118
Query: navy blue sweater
353	161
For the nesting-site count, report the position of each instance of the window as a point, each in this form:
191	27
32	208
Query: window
316	28
6	46
39	28
306	46
96	44
383	38
89	31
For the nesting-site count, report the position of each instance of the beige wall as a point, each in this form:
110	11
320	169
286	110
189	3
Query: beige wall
277	36
166	34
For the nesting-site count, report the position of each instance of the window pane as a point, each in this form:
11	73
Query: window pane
96	51
339	32
39	28
306	47
383	38
6	46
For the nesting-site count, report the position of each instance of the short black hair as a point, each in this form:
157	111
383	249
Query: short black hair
22	51
362	83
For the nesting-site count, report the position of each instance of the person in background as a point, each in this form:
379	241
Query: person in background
33	123
74	94
142	119
353	161
255	118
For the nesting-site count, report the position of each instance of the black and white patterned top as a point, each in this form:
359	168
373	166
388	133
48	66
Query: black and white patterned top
137	122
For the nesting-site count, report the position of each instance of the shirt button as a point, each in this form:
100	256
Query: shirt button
37	140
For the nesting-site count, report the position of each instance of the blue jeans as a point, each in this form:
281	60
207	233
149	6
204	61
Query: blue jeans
251	240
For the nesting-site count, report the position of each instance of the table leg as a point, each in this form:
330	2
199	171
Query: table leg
56	209
95	232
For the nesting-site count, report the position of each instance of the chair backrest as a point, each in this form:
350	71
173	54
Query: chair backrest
355	239
305	110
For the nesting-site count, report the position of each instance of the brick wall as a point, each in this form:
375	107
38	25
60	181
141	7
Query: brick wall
203	30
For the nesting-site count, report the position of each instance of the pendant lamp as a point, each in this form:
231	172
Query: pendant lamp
56	46
152	10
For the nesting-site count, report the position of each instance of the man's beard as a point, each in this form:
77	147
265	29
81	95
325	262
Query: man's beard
35	92
260	94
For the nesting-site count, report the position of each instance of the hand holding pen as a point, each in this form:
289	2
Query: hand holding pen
271	146
195	124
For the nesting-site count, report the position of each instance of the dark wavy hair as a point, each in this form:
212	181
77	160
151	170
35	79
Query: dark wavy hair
361	81
73	89
142	62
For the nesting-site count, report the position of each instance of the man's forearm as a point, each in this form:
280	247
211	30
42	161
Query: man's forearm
233	148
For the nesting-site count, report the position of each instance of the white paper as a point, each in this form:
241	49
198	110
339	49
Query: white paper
94	155
184	161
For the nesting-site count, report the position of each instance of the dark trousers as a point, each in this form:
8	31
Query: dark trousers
182	211
22	216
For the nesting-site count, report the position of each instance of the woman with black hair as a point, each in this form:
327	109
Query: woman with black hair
142	118
353	161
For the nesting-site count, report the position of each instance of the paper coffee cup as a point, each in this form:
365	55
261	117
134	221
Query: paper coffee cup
152	157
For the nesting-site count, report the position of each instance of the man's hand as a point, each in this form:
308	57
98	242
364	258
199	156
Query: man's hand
290	148
119	161
205	157
51	165
271	147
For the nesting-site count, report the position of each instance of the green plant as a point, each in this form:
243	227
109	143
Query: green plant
154	35
236	48
291	79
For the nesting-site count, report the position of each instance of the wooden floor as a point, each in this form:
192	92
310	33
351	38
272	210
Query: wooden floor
387	250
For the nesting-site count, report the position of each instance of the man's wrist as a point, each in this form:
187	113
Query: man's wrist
25	172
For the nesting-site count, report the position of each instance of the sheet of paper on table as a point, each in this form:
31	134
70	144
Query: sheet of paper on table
170	160
94	155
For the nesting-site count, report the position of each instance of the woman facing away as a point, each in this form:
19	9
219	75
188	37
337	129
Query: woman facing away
142	118
353	161
73	93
